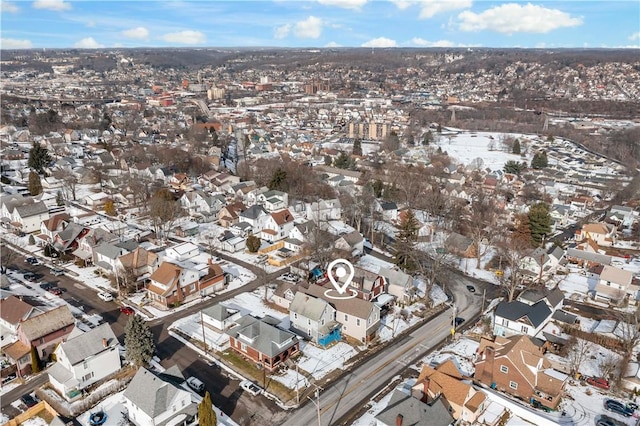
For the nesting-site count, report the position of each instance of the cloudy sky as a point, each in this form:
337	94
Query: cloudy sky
320	23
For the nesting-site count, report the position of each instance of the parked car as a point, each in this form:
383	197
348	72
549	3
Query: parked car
57	272
617	407
471	288
606	421
28	400
632	406
30	276
127	310
107	297
31	260
251	387
46	286
537	404
458	320
195	384
55	290
599	382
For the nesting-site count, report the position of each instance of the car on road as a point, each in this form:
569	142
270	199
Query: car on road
107	297
127	310
598	382
31	260
617	407
606	421
30	276
195	384
57	272
46	286
56	290
471	288
251	387
537	404
458	320
28	400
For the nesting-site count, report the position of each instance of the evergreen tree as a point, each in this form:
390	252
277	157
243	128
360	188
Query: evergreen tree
514	167
35	186
32	240
516	147
540	160
357	147
206	414
328	160
278	180
406	240
35	361
539	222
39	158
138	341
253	243
343	161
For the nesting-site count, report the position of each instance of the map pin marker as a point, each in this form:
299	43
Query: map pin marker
341	272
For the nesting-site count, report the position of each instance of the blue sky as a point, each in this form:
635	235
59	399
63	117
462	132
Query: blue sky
320	23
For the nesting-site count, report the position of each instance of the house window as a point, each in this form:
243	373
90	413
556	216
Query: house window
84	365
346	317
295	315
513	385
308	321
243	347
322	322
358	322
505	322
524	329
504	368
41	340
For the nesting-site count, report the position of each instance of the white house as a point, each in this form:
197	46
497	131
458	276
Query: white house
83	360
160	402
528	314
23	213
273	200
324	210
256	216
277	226
314	318
183	251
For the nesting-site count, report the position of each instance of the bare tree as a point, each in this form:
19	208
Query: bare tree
609	366
69	183
577	352
480	225
511	251
164	210
7	255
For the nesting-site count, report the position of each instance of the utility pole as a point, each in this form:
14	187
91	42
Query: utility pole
484	294
204	339
317	404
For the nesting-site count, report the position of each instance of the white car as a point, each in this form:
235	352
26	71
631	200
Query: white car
107	297
195	384
57	272
251	387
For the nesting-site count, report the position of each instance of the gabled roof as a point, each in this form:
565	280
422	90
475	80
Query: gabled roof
281	217
54	221
13	310
167	274
157	395
253	212
435	382
414	412
355	306
89	344
219	312
534	314
261	336
46	323
138	258
534	295
308	306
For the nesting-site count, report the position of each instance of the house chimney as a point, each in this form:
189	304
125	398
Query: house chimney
105	342
399	419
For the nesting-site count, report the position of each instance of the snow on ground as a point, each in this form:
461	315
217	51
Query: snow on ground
113	406
7	387
369	418
373	264
3	418
462	351
320	362
289	379
192	326
393	324
35	421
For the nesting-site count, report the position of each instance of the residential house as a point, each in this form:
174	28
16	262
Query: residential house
517	366
404	409
42	332
105	256
314	318
399	285
161	403
256	216
51	226
220	317
446	382
303	231
624	215
88	242
84	360
180	181
68	240
516	317
559	215
538	262
273	200
23	213
199	203
604	234
388	209
360	319
352	243
229	214
140	263
460	245
324	210
13	311
285	292
614	284
262	342
368	285
277	226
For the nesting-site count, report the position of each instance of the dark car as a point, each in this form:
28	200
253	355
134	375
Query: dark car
632	406
537	404
30	276
471	288
47	286
31	260
606	421
617	407
599	382
457	321
55	290
127	310
28	400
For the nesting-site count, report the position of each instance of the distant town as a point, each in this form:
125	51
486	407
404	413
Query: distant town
171	219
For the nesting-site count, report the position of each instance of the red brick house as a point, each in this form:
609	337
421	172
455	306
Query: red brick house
517	366
42	332
262	342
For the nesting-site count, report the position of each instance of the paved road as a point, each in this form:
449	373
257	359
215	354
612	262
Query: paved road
353	390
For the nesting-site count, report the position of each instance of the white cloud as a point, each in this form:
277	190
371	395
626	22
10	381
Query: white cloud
332	44
6	7
283	31
417	41
430	8
515	18
635	36
88	43
309	28
138	33
185	37
57	5
380	42
345	4
12	43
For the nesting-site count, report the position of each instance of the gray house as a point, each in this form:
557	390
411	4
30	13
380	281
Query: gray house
404	409
314	319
